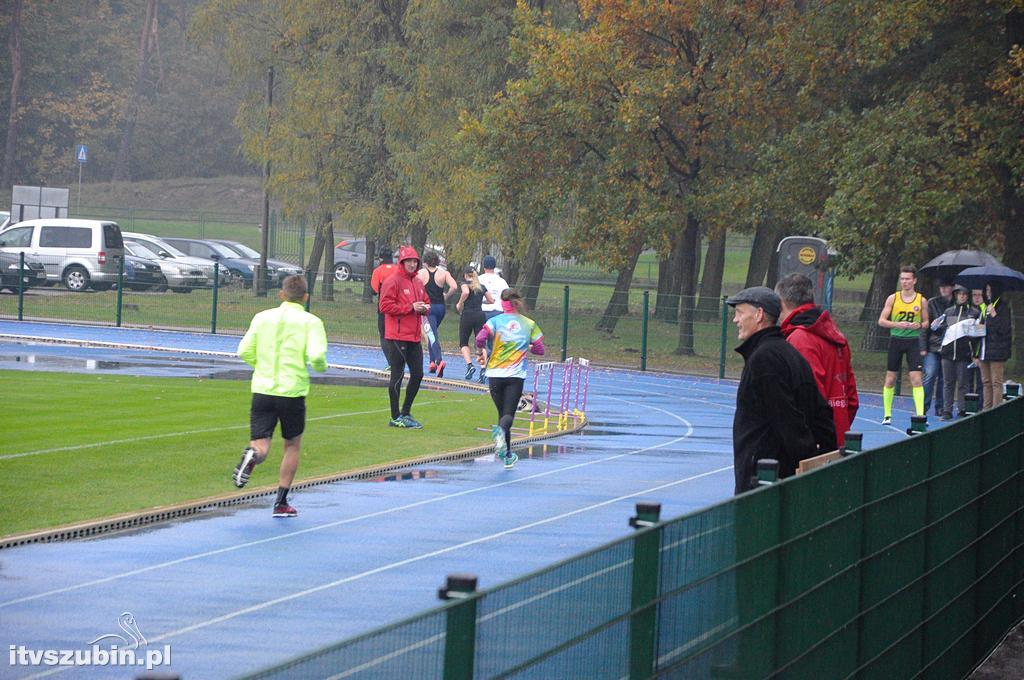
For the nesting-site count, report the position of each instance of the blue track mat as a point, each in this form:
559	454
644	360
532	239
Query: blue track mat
233	591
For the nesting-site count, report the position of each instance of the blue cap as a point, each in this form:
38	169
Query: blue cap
490	262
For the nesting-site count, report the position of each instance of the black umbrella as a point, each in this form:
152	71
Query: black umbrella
952	262
977	277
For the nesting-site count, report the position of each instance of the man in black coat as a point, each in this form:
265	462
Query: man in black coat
780	413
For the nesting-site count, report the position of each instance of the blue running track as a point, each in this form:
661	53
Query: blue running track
233	591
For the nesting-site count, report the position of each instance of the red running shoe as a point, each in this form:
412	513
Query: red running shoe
433	367
440	369
285	510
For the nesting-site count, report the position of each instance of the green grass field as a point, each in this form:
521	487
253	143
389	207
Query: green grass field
111	444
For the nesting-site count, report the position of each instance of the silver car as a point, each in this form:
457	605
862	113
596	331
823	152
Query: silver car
179	276
166	252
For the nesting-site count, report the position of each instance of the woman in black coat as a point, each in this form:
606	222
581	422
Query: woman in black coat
996	345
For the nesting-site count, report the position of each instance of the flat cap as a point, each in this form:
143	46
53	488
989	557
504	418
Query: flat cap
758	296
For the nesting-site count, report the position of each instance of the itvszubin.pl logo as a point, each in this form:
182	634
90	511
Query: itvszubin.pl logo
127	653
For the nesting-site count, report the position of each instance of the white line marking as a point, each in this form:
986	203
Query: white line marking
329	525
149	437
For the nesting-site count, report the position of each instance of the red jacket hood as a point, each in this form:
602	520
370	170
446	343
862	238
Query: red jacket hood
814	320
407	253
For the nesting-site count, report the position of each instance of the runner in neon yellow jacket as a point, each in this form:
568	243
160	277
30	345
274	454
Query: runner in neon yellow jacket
278	345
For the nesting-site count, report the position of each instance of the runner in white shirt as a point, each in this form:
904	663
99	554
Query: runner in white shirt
494	285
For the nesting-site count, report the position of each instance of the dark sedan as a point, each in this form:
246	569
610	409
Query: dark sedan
142	274
279	270
33	274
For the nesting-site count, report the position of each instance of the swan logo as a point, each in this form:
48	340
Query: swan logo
127	623
122	651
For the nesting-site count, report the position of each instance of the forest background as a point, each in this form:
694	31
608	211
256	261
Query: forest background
596	130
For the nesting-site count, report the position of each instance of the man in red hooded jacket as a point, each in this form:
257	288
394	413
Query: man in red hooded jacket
404	301
812	332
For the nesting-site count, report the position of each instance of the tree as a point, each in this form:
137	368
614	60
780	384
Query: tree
14	46
147	46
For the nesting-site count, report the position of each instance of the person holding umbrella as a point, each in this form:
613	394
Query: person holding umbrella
995	280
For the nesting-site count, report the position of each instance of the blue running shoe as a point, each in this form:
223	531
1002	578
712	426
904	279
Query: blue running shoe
510	460
397	422
412	422
500	447
483	376
470	372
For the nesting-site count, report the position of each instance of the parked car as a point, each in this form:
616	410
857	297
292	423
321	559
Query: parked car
279	269
239	268
350	260
142	273
165	251
81	253
34	272
177	275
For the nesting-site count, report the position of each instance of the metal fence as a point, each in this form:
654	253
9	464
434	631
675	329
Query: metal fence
685	334
899	562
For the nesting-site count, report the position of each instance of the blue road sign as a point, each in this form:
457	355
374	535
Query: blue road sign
82	154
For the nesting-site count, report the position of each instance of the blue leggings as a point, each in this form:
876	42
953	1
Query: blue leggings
435	317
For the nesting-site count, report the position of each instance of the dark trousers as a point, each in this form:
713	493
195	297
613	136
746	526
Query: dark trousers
954	377
401	353
506	393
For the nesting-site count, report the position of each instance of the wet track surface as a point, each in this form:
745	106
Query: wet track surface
234	590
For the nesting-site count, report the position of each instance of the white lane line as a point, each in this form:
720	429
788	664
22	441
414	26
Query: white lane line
350	520
424	556
185	433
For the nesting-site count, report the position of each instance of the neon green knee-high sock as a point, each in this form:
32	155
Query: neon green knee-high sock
888	394
918	400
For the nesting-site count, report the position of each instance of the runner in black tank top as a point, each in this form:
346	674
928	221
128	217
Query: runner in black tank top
430	276
473	318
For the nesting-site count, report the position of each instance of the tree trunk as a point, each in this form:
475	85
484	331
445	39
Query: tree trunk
418	236
6	179
371	261
319	240
883	282
690	249
661	299
149	28
1013	213
668	299
761	253
532	265
711	280
327	287
618	305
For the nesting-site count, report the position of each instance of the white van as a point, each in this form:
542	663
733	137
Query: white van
81	253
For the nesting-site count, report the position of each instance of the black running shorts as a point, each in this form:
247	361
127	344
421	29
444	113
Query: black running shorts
898	347
267	410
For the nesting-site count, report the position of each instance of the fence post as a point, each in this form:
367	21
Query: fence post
21	286
460	628
643	623
643	332
216	287
565	322
120	289
721	347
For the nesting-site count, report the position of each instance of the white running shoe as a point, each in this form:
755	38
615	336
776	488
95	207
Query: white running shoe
500	447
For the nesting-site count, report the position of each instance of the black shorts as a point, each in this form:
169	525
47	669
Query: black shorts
470	324
267	410
900	346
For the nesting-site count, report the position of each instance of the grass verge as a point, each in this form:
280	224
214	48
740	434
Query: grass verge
101	445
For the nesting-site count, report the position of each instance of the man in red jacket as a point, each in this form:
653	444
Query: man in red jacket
404	301
812	332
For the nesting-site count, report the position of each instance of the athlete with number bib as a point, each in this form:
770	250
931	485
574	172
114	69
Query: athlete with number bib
905	314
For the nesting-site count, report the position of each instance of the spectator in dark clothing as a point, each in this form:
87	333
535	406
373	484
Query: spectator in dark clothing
779	412
933	360
957	348
995	346
811	330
